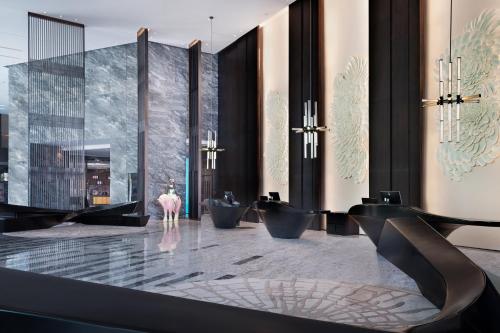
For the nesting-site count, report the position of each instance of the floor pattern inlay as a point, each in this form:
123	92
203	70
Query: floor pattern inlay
347	303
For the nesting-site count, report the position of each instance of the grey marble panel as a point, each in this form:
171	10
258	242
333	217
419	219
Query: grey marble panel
111	111
166	141
18	134
209	93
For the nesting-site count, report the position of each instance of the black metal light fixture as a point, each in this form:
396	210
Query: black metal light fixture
310	130
449	100
211	146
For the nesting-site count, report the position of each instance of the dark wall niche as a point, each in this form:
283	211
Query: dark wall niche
143	105
394	98
237	166
194	129
305	175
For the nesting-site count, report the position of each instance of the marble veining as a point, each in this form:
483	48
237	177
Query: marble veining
168	133
167	146
18	134
110	117
111	111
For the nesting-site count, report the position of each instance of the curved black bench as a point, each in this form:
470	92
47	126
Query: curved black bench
283	220
122	214
445	276
22	218
443	224
225	216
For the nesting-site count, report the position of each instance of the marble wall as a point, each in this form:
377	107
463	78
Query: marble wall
110	118
209	93
111	111
167	137
18	135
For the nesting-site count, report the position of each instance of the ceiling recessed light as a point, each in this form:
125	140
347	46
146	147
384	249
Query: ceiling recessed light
60	16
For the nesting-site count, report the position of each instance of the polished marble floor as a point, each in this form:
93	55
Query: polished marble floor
320	276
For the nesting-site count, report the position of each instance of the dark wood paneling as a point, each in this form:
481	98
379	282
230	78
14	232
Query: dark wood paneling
237	166
194	130
395	121
305	180
143	102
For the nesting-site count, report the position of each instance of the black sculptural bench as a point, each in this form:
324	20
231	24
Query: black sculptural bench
225	215
412	240
283	220
21	218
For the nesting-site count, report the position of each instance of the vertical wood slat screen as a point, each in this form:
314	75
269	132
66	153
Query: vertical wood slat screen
56	110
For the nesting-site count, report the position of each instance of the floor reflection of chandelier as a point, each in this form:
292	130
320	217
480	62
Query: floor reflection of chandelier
450	100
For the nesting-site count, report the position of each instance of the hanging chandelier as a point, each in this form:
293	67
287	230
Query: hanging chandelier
211	149
211	146
449	100
310	130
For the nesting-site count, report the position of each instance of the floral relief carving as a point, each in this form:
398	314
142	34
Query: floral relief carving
349	120
479	47
276	153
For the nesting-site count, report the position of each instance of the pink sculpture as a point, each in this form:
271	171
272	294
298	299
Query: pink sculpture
171	203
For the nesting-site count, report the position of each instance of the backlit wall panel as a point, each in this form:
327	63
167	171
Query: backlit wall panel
275	131
346	103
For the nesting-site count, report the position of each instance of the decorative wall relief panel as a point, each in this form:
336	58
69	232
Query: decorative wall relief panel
479	47
56	110
276	154
349	120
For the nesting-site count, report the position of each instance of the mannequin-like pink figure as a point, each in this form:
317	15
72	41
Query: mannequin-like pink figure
171	203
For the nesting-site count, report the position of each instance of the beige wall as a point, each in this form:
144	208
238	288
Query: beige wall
346	35
275	105
477	194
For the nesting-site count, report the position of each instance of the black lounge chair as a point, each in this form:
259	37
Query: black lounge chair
283	220
225	215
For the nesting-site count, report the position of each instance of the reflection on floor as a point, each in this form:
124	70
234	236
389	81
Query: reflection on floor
319	276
